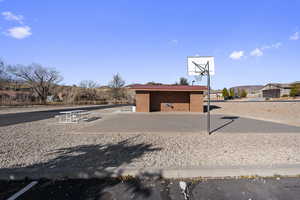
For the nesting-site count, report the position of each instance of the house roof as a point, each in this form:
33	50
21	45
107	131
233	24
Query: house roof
296	82
215	91
279	85
249	87
168	88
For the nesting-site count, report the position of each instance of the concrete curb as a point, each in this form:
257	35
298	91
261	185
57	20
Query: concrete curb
18	174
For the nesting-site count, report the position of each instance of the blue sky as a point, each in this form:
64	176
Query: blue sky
254	42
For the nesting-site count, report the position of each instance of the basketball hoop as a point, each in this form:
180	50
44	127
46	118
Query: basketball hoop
200	66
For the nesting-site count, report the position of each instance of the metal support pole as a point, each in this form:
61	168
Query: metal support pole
205	70
208	99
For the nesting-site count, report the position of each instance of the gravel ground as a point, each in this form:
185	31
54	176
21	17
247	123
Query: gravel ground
283	112
48	144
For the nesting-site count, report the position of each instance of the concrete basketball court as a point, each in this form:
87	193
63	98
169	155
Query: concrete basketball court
183	123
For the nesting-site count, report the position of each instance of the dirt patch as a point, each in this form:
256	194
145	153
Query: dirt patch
282	112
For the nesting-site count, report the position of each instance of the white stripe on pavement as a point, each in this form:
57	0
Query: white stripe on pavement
16	195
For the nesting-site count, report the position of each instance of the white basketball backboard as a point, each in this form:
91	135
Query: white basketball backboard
196	65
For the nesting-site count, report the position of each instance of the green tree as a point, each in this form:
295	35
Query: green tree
225	93
183	81
295	90
231	93
153	83
243	93
239	93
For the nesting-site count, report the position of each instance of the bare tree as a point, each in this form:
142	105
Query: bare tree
89	84
39	78
6	80
116	85
3	71
87	90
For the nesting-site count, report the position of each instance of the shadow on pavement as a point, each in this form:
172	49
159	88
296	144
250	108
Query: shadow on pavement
16	118
211	107
287	188
231	120
93	119
86	161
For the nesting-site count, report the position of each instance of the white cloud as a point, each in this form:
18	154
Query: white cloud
236	55
295	36
174	42
277	45
256	52
272	46
260	51
9	16
19	32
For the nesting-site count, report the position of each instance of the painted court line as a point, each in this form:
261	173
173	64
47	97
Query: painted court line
16	195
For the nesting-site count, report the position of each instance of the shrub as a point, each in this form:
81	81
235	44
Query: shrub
244	93
225	93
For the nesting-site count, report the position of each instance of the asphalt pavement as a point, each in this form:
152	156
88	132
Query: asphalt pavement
184	123
275	188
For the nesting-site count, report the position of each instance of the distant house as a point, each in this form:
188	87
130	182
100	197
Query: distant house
215	95
252	90
276	90
271	90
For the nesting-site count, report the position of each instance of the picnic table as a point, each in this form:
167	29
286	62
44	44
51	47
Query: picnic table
73	116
